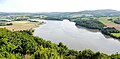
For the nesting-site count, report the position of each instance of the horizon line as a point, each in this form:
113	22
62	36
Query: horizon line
51	11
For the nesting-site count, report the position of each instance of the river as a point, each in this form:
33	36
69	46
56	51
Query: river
76	38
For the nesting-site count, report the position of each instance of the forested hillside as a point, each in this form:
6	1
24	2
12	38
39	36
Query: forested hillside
22	44
92	24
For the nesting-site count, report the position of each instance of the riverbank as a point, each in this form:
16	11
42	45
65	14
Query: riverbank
76	38
94	24
22	25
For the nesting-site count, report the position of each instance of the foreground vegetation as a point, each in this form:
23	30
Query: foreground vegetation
23	45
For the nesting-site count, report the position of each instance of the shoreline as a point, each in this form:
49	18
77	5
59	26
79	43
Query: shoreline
109	36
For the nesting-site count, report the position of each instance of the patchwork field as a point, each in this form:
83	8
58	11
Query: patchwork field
109	23
21	25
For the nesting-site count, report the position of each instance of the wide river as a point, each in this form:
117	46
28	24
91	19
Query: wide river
76	38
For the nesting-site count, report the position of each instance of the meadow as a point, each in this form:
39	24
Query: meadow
21	25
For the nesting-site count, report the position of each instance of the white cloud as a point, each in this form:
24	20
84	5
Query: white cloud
57	5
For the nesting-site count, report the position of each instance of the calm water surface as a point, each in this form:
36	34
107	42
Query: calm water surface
76	38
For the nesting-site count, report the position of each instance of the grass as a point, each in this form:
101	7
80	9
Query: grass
22	25
109	23
85	18
115	18
105	21
21	22
116	34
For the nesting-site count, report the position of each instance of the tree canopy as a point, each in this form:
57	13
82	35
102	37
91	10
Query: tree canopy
22	45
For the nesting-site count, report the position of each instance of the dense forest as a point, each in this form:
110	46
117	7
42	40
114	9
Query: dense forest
92	24
22	44
111	32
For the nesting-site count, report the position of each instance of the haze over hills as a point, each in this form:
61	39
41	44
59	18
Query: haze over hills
102	12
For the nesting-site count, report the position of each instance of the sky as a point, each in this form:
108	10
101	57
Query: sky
57	5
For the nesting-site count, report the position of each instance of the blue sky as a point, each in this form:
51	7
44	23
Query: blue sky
56	5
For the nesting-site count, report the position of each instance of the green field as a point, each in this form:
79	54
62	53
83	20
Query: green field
105	21
116	34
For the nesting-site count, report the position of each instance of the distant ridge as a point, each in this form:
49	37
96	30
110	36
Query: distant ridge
102	12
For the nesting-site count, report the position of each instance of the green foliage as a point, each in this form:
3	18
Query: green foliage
92	24
99	55
115	56
72	52
7	55
95	24
111	32
23	42
116	34
22	45
88	54
46	53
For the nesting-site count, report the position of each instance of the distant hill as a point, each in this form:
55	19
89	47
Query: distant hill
105	12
